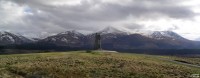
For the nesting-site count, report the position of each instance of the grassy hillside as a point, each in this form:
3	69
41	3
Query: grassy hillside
93	64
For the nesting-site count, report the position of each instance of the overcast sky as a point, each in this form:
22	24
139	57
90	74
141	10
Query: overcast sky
42	17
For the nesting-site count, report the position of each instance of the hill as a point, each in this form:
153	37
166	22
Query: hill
95	65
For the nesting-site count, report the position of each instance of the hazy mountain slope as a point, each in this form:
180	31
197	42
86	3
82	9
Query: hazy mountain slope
7	38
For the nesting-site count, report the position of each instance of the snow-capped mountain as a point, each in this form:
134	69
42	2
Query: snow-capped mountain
111	32
159	35
72	33
72	38
165	35
10	38
122	37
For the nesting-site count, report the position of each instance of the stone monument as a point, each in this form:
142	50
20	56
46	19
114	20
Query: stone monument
97	43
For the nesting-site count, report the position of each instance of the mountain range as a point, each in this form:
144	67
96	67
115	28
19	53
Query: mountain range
112	39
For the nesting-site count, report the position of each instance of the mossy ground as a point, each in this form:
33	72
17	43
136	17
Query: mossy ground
90	65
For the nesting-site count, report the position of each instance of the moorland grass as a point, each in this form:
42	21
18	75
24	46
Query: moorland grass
90	65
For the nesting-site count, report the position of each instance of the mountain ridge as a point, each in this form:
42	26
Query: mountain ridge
113	38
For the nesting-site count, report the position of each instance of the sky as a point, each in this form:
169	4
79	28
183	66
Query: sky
38	18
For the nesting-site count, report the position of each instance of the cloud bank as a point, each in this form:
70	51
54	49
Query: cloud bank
43	17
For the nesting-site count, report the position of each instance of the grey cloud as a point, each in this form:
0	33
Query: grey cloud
113	12
174	27
134	26
96	14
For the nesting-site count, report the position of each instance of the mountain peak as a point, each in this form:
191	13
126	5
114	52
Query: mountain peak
164	34
71	32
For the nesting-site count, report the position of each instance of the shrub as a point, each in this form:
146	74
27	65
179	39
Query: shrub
88	51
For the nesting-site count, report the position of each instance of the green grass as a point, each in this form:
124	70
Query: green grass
90	65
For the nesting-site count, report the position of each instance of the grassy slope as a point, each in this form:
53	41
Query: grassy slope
80	64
